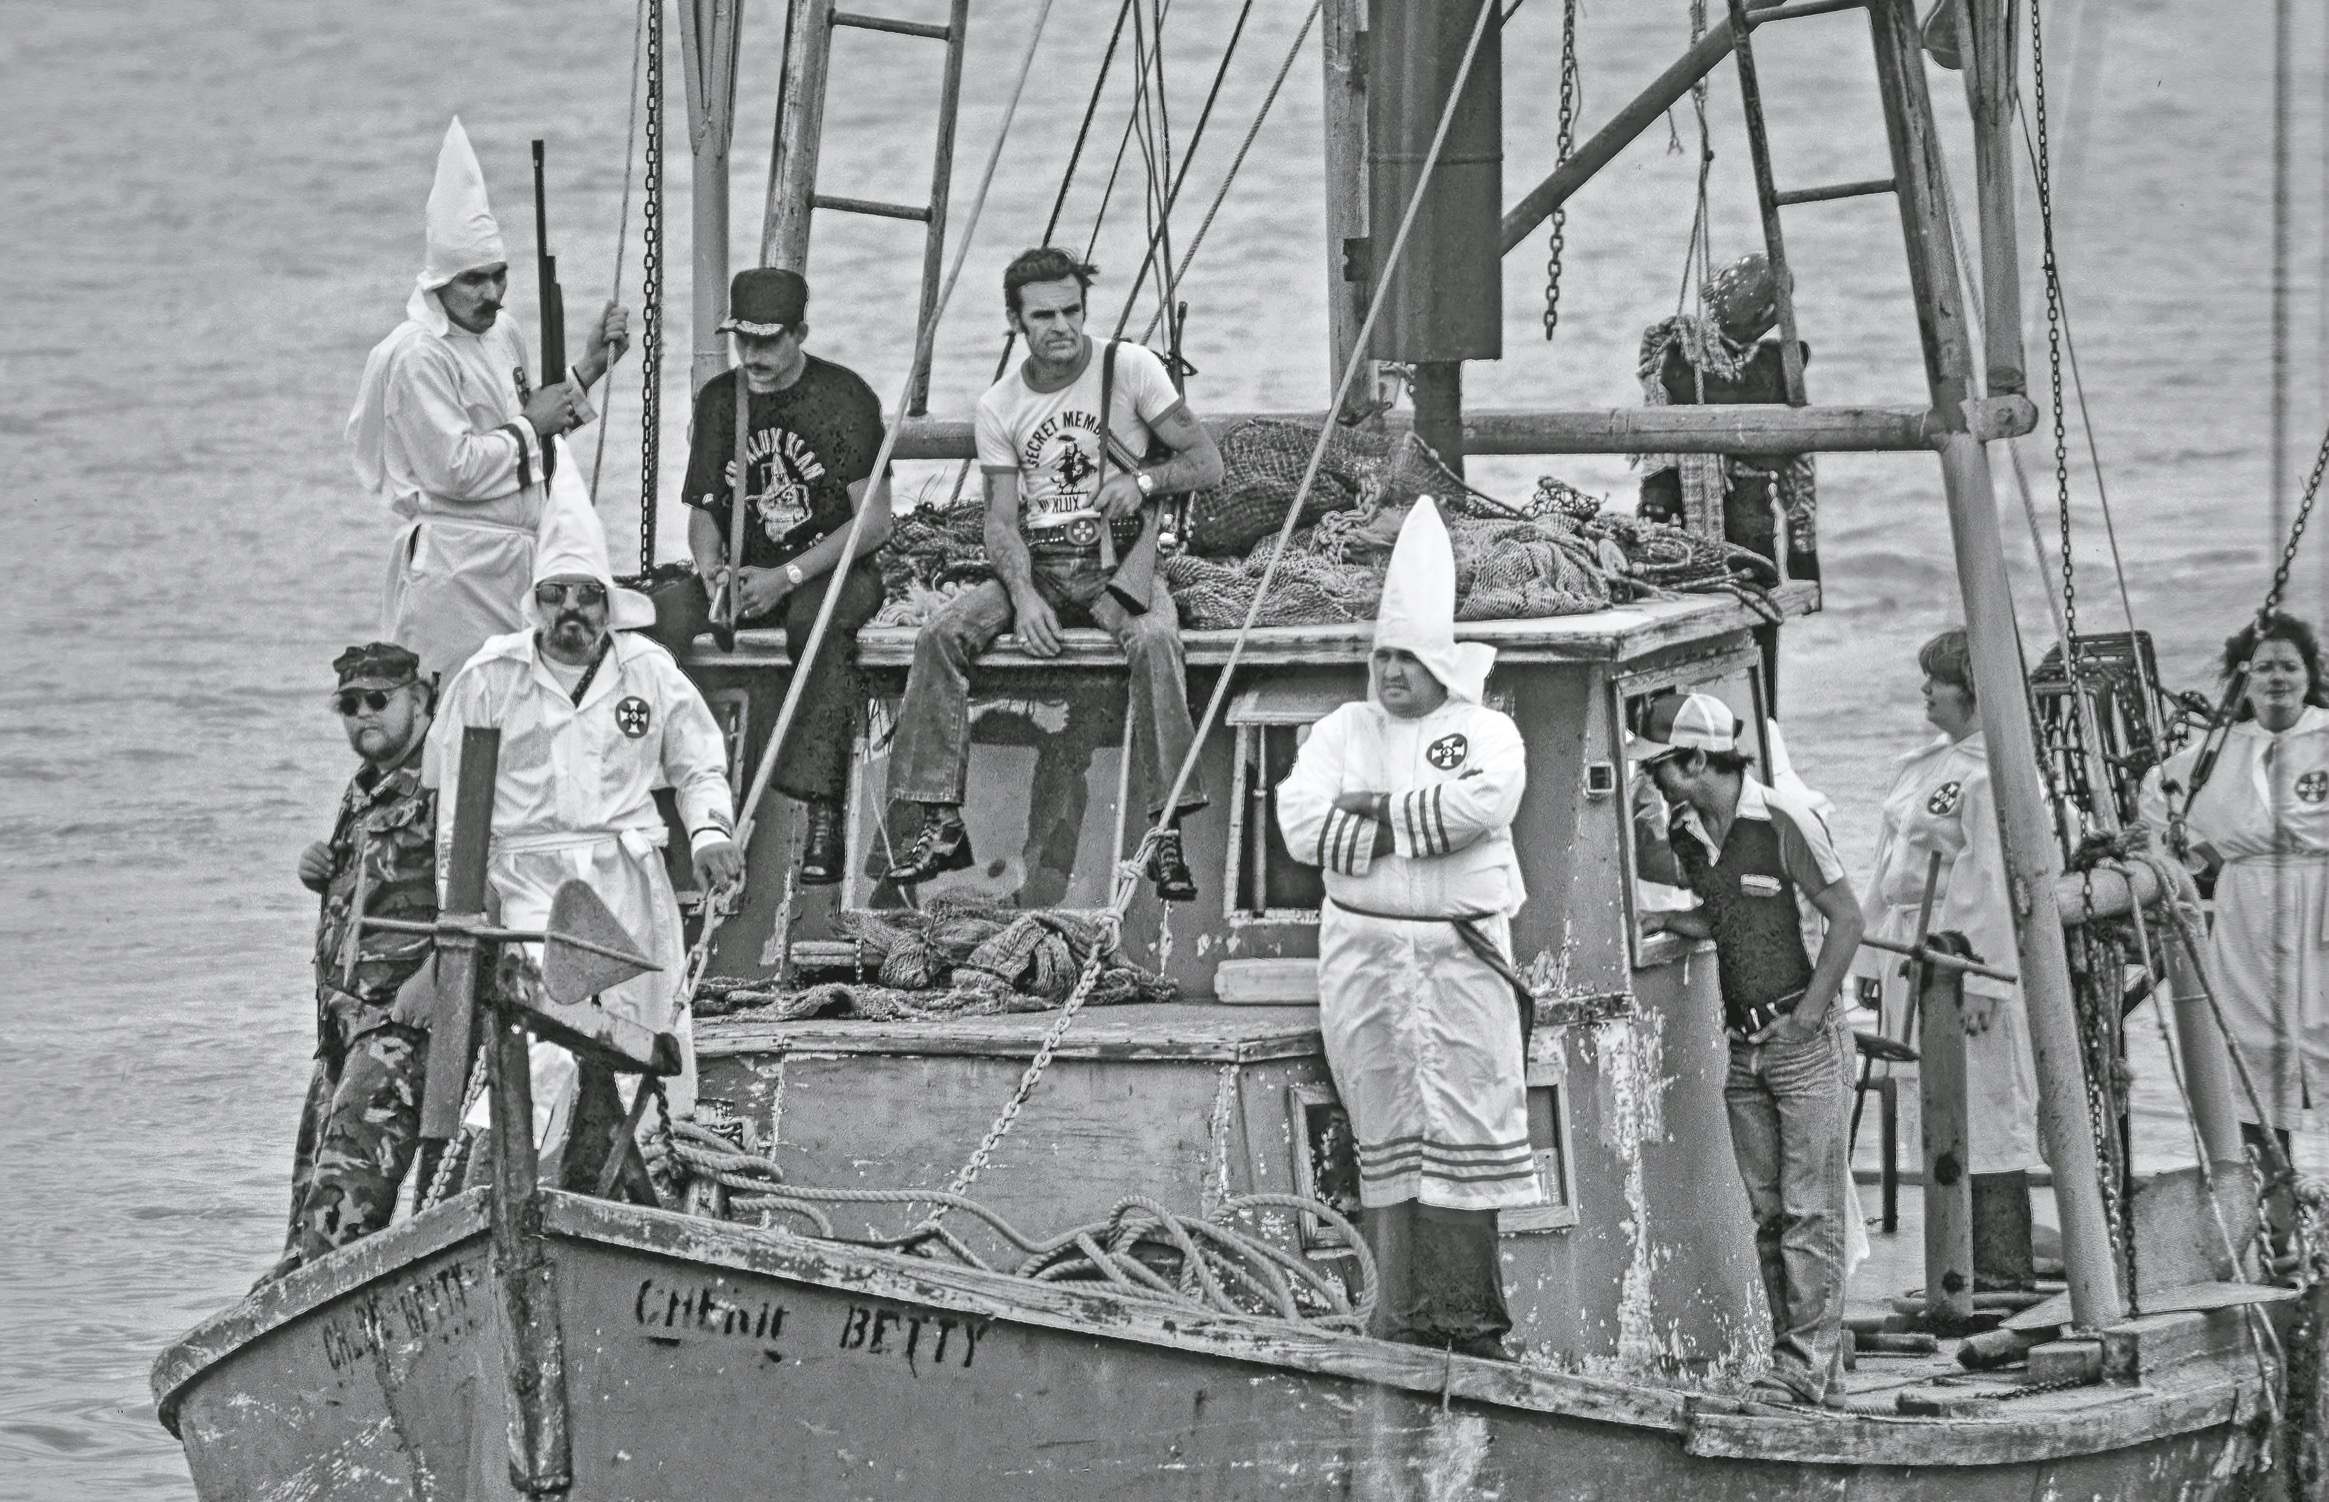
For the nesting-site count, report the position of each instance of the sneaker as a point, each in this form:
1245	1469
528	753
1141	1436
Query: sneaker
1169	870
824	853
942	846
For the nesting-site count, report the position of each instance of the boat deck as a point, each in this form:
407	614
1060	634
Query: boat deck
1617	634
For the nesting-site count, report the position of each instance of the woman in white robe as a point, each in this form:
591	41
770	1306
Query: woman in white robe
2260	824
1940	804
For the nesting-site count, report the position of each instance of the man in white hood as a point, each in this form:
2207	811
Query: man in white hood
594	719
1407	801
452	434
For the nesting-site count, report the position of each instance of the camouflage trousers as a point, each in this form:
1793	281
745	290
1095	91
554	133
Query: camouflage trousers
357	1137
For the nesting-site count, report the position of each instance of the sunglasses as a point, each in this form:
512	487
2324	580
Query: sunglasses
551	596
349	701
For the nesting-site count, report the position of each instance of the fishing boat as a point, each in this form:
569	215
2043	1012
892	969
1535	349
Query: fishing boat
1050	1247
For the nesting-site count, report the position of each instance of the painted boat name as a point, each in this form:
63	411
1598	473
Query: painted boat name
418	1307
919	1337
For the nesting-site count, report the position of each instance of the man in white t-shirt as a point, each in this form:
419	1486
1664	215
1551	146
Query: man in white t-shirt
1051	490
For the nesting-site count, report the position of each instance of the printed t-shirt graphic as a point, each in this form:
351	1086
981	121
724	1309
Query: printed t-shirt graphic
1051	439
805	446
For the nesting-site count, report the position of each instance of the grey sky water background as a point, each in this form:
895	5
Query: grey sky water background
213	210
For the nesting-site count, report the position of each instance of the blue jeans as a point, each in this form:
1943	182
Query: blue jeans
1788	1109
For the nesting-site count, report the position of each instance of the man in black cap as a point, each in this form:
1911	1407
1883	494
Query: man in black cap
361	1125
813	430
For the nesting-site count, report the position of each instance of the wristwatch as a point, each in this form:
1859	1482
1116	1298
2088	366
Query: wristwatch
794	576
1146	482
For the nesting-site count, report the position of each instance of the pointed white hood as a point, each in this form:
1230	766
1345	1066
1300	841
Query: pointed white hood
573	544
1418	613
462	235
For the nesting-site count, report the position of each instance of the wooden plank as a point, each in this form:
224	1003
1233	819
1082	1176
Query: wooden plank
2214	1296
1745	428
1620	633
1947	1151
2125	1416
1342	44
1142	1031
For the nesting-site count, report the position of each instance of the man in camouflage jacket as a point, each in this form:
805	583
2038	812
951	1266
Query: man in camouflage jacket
360	1128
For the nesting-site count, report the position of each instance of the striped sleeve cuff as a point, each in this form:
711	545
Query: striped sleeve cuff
1346	843
1419	822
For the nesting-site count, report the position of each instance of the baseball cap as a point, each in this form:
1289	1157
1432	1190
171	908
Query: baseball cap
1682	722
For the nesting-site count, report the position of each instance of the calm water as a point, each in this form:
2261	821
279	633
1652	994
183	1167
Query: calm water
214	209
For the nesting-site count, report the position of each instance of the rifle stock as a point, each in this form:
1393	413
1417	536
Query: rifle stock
552	297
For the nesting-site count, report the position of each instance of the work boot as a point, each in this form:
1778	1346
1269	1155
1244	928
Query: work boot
1170	871
942	846
824	852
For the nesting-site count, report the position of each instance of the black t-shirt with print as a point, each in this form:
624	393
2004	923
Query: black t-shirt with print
809	443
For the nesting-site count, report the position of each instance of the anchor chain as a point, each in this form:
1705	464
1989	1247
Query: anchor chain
1568	140
651	298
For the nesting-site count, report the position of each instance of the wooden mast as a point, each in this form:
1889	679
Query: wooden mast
1342	42
2033	862
709	34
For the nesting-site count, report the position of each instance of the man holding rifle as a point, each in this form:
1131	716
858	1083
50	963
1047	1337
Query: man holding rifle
453	435
812	430
1072	499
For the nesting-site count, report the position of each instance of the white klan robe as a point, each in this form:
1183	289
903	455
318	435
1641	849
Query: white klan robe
1940	803
2265	809
1422	1037
574	800
439	436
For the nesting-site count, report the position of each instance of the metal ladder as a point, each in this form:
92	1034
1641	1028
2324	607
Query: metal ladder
1987	51
792	188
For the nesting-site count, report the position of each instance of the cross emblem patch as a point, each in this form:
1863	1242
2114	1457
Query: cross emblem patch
1944	799
2313	787
1447	753
632	717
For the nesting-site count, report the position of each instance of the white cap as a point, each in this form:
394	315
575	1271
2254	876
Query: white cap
1683	722
1418	612
462	234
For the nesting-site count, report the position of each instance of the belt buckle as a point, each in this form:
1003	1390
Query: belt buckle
1083	532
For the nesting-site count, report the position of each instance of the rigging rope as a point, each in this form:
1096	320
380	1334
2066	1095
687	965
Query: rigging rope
622	234
1189	256
651	296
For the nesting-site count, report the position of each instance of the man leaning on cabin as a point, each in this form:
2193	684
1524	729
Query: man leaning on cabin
361	1124
594	718
1771	891
1052	489
449	431
1407	801
813	430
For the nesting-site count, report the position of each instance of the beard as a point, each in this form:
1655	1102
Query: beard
572	628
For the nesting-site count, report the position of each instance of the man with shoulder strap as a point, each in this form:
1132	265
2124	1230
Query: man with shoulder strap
594	718
454	436
1785	926
1053	488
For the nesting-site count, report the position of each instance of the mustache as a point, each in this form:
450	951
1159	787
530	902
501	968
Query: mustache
567	618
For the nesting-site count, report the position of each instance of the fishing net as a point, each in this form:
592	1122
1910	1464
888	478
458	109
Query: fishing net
960	955
1558	554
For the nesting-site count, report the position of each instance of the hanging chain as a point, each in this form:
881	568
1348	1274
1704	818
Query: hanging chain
2053	276
1568	140
2288	552
651	298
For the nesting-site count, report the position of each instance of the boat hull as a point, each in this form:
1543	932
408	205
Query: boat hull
709	1362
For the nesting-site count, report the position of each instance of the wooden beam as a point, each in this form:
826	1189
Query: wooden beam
1644	110
1833	192
1989	83
1948	1152
2033	862
799	123
708	32
1343	42
1748	428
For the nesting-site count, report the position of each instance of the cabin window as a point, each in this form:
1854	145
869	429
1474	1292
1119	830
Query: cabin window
1548	1135
1736	679
1326	1165
1270	721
